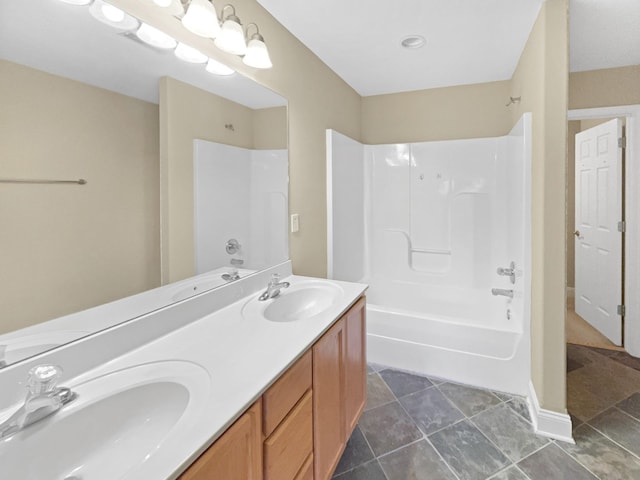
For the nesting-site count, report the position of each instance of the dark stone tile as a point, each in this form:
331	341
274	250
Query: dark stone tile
418	461
521	407
431	410
368	471
403	383
620	428
388	427
468	452
505	397
601	456
573	364
552	462
582	355
598	386
468	399
355	453
437	380
378	392
619	356
575	421
625	359
511	473
511	433
375	367
631	405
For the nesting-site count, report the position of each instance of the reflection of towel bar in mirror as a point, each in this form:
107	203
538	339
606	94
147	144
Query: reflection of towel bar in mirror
80	181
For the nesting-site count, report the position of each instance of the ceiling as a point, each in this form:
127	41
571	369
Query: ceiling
467	41
66	40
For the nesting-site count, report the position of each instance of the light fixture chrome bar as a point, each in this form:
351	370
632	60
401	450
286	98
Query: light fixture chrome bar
80	181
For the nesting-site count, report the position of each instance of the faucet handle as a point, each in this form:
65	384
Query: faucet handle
43	378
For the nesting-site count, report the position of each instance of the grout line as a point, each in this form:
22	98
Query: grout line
611	439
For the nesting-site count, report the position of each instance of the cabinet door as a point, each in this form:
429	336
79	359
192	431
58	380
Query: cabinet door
355	365
328	401
236	455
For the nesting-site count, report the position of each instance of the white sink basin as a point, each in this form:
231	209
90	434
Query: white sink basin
114	427
301	301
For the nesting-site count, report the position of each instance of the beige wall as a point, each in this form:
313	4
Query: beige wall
318	99
70	247
541	78
605	88
466	111
187	113
270	128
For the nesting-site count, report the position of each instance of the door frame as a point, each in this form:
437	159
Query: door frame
632	214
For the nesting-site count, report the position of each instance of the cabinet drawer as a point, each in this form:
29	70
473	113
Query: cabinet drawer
285	393
286	450
306	472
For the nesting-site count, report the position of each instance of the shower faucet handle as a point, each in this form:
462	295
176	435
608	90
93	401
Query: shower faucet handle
508	272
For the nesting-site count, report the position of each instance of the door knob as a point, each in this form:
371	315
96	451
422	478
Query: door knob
577	233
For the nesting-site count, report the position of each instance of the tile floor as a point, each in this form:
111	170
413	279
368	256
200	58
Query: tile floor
416	428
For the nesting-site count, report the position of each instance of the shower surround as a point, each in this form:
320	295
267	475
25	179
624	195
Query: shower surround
427	225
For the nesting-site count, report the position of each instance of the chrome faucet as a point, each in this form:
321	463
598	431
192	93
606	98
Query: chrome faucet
231	276
502	292
43	399
273	288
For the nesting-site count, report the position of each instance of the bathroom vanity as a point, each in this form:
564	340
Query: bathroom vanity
217	386
299	427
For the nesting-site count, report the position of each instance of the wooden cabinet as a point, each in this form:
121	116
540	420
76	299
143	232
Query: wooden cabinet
299	428
236	455
339	388
288	422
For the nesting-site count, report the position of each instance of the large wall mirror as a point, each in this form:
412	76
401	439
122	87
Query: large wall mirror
186	174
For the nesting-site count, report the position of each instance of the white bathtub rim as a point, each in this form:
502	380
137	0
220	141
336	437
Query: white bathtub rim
442	318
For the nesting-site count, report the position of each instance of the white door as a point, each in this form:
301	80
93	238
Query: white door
598	270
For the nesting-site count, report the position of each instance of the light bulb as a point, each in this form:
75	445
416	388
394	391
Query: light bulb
112	16
231	38
154	37
257	55
163	3
201	18
217	68
112	13
189	54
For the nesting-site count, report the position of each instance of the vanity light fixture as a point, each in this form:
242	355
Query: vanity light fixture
218	68
202	19
189	54
257	55
112	16
231	38
154	37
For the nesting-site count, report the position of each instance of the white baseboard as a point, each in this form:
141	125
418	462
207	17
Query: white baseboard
547	422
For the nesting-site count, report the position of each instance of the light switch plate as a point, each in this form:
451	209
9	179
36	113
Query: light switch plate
295	222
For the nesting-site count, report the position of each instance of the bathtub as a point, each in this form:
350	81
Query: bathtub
462	335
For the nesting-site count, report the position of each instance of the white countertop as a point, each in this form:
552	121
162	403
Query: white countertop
243	356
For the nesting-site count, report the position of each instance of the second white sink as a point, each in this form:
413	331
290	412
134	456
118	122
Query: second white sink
300	301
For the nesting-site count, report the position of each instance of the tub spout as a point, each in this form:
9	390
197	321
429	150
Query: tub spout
502	292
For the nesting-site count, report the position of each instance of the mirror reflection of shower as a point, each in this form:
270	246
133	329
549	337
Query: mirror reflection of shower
240	199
